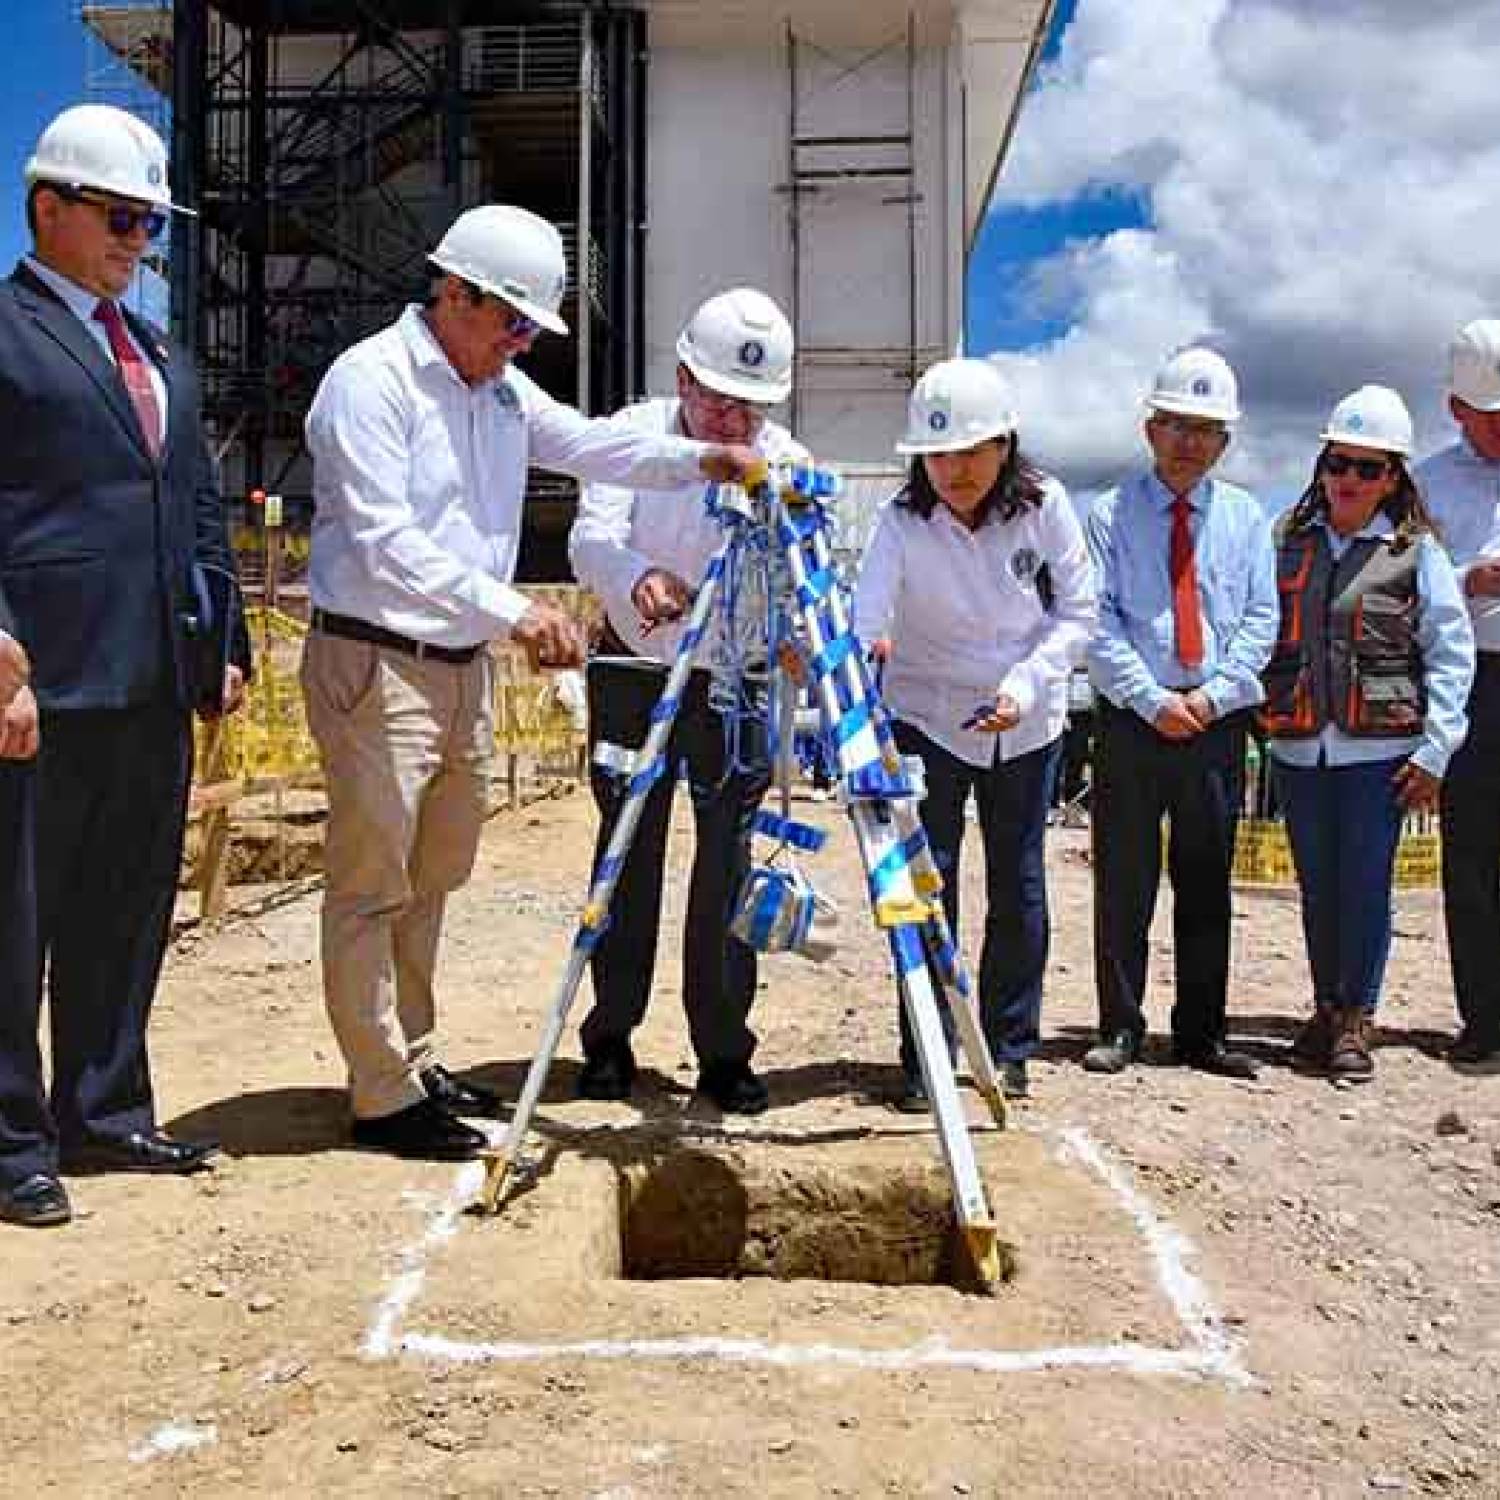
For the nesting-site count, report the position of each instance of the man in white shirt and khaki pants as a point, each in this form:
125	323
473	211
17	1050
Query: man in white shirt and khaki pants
420	437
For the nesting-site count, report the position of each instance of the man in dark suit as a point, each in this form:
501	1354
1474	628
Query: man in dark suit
109	514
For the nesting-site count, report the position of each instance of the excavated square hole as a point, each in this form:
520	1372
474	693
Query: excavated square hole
701	1213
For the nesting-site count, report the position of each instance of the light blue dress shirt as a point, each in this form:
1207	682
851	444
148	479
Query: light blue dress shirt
1133	659
1462	490
1446	639
82	303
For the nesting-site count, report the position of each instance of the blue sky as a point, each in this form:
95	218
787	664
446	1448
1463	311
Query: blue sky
1004	312
44	42
47	35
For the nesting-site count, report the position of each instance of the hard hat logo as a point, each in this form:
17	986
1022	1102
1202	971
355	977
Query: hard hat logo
1356	423
752	354
1203	386
938	421
154	175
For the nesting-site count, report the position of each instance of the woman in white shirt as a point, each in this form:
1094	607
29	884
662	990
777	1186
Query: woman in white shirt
977	594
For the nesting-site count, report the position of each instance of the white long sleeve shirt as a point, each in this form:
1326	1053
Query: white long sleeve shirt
622	532
1462	490
419	480
966	623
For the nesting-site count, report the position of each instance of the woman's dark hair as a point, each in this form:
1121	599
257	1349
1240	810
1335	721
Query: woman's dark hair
1405	507
1019	487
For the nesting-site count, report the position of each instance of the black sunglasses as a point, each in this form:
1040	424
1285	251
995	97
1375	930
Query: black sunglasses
1368	469
516	322
121	218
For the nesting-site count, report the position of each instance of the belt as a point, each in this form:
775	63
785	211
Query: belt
349	629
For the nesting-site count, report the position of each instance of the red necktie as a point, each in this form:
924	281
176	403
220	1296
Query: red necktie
133	371
1187	616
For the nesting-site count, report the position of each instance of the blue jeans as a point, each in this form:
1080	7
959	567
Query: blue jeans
1344	823
1012	797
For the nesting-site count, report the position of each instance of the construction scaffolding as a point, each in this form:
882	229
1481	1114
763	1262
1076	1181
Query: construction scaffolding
328	143
852	156
127	63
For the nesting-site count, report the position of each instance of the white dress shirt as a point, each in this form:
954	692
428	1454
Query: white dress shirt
419	480
1462	490
83	304
966	624
622	533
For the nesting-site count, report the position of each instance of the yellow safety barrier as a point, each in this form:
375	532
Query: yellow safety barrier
269	739
1262	856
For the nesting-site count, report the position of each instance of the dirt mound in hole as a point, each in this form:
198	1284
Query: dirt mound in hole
712	1214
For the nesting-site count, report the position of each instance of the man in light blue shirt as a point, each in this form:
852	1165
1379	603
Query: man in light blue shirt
1187	620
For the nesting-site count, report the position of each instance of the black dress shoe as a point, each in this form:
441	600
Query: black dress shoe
141	1152
913	1098
1113	1054
607	1074
1473	1049
423	1131
456	1095
1014	1083
38	1201
1217	1059
734	1088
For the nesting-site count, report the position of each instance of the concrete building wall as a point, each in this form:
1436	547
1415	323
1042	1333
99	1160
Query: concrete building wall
719	172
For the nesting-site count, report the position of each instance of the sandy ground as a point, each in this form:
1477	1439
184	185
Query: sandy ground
1269	1289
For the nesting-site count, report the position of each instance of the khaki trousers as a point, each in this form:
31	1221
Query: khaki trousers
405	747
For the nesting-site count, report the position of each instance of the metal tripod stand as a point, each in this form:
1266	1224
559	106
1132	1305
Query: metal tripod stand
785	514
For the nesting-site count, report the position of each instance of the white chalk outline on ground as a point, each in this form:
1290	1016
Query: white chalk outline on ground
1212	1352
172	1438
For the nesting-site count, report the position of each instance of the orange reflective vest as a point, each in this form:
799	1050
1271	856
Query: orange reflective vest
1347	650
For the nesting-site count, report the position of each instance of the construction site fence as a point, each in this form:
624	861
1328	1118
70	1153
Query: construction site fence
268	739
267	744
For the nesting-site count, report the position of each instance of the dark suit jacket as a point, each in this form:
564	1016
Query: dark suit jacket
98	541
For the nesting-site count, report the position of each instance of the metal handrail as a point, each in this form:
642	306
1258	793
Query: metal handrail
511	59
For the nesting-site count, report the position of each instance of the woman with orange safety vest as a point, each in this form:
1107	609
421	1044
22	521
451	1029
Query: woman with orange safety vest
1364	705
976	591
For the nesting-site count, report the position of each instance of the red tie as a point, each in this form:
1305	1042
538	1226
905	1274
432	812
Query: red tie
133	371
1187	616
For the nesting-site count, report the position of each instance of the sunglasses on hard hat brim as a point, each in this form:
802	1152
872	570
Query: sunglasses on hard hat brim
122	219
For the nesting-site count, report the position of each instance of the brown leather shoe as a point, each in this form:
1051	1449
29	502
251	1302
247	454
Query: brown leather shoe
1349	1059
1312	1047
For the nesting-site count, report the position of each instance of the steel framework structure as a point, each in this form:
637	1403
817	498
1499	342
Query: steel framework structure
327	143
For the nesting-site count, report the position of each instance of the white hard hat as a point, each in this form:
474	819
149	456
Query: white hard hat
1374	416
739	343
1196	383
957	404
99	146
512	254
1474	365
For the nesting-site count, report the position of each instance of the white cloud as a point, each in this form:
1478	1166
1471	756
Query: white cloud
1322	189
